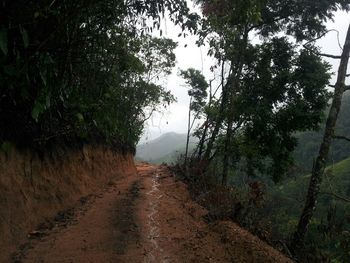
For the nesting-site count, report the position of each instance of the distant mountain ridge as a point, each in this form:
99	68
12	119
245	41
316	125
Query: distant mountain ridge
163	148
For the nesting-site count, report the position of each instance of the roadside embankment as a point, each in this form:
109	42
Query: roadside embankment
33	188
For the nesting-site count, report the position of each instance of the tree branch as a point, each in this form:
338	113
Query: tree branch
345	199
347	87
322	54
320	36
341	138
325	33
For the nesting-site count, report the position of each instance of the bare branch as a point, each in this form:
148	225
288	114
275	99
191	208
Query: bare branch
345	199
341	138
322	54
322	35
319	37
194	119
145	117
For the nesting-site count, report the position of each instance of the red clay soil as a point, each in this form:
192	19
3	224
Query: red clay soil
148	217
34	188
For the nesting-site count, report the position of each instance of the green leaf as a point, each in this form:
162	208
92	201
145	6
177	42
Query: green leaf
80	117
35	113
3	41
37	110
6	147
25	37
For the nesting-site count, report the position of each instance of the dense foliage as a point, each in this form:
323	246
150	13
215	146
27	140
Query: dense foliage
83	69
269	89
328	236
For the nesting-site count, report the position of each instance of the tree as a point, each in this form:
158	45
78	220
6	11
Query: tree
83	69
198	94
321	160
228	26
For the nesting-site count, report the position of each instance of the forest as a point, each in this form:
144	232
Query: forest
272	129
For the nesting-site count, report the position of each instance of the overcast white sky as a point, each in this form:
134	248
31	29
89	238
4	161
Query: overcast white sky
174	119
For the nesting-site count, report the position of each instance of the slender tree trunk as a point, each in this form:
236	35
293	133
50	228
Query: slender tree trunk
220	117
206	127
225	160
320	164
188	133
230	118
202	140
215	131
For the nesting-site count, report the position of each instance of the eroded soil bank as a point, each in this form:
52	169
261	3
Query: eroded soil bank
145	217
34	189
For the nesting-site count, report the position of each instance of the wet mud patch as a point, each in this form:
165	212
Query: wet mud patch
124	219
63	219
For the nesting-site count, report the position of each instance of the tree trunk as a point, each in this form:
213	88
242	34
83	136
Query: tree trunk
220	117
206	125
225	161
202	140
188	134
320	164
230	118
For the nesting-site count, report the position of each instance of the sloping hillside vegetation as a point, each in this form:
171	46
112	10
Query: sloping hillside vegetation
330	229
308	142
271	211
271	92
277	212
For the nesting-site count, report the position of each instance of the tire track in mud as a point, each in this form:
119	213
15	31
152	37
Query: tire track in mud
156	253
125	220
103	229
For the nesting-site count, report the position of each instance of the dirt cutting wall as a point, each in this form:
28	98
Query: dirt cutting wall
34	189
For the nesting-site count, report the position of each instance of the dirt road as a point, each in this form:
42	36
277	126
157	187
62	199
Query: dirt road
148	217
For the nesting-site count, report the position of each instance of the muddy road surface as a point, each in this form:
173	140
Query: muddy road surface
147	217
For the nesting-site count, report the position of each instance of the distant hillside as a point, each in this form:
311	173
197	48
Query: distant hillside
164	148
284	203
309	142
